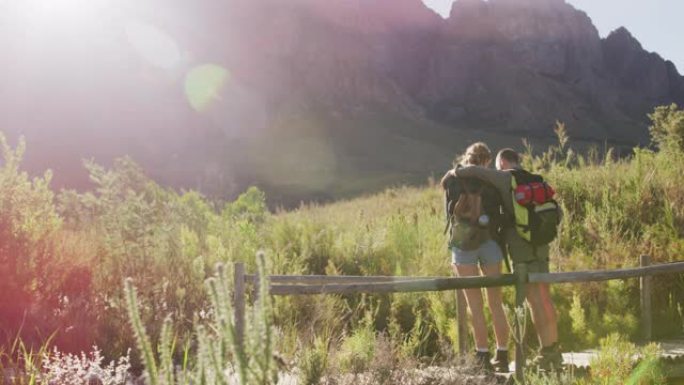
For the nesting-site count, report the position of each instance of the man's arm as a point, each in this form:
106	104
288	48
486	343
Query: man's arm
445	179
499	179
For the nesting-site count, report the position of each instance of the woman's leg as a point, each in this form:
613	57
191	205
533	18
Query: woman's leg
495	299
475	304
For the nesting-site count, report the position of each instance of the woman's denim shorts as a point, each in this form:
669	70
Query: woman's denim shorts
488	253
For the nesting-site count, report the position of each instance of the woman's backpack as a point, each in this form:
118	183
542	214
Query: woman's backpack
537	215
464	210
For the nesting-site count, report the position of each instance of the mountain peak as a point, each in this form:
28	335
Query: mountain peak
623	38
535	3
373	15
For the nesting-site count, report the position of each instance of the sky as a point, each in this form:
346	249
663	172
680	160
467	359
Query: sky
657	24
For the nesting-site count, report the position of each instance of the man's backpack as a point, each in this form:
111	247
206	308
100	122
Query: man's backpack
536	214
465	207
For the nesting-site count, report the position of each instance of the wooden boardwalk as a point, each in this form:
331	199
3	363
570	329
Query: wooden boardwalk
673	350
672	356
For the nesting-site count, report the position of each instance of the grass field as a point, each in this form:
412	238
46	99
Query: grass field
67	255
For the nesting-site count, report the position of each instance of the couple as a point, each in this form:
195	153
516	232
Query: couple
493	204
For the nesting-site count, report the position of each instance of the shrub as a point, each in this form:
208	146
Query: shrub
667	128
615	363
220	353
71	369
357	350
46	284
313	362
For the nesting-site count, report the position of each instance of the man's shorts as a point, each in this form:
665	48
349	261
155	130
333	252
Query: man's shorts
539	265
488	253
520	251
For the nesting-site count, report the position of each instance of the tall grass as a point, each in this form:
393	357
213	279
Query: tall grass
220	355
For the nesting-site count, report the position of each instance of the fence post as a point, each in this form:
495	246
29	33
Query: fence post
645	291
521	282
239	297
462	321
256	287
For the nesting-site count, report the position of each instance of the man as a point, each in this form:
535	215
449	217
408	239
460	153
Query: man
535	257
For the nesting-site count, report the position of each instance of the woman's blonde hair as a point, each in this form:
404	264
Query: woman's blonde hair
477	154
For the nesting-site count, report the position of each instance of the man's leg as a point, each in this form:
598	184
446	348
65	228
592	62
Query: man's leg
539	299
545	321
551	329
539	314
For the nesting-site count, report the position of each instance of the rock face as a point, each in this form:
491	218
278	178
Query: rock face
324	97
527	63
644	79
511	66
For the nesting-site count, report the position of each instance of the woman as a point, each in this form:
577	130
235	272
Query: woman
474	214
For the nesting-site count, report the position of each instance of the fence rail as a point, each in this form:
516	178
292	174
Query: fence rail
322	284
606	275
400	286
330	279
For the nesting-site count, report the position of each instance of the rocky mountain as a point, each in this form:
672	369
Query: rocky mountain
317	99
511	66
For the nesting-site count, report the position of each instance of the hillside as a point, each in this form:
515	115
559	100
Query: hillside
65	257
81	246
314	99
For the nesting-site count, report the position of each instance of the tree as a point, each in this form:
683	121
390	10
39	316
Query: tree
39	283
667	128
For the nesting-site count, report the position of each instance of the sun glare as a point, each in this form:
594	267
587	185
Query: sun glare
50	14
153	44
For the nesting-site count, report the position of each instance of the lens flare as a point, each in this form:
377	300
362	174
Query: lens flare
204	84
154	45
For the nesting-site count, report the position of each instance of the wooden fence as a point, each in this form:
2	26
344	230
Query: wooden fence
323	284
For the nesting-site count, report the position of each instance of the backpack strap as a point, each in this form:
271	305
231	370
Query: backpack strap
448	203
448	225
521	214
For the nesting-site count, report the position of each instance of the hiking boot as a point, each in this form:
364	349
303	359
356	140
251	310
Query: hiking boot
482	361
549	358
500	361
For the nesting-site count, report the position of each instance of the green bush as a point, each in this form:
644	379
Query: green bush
667	130
615	363
45	283
220	356
313	362
618	362
357	350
